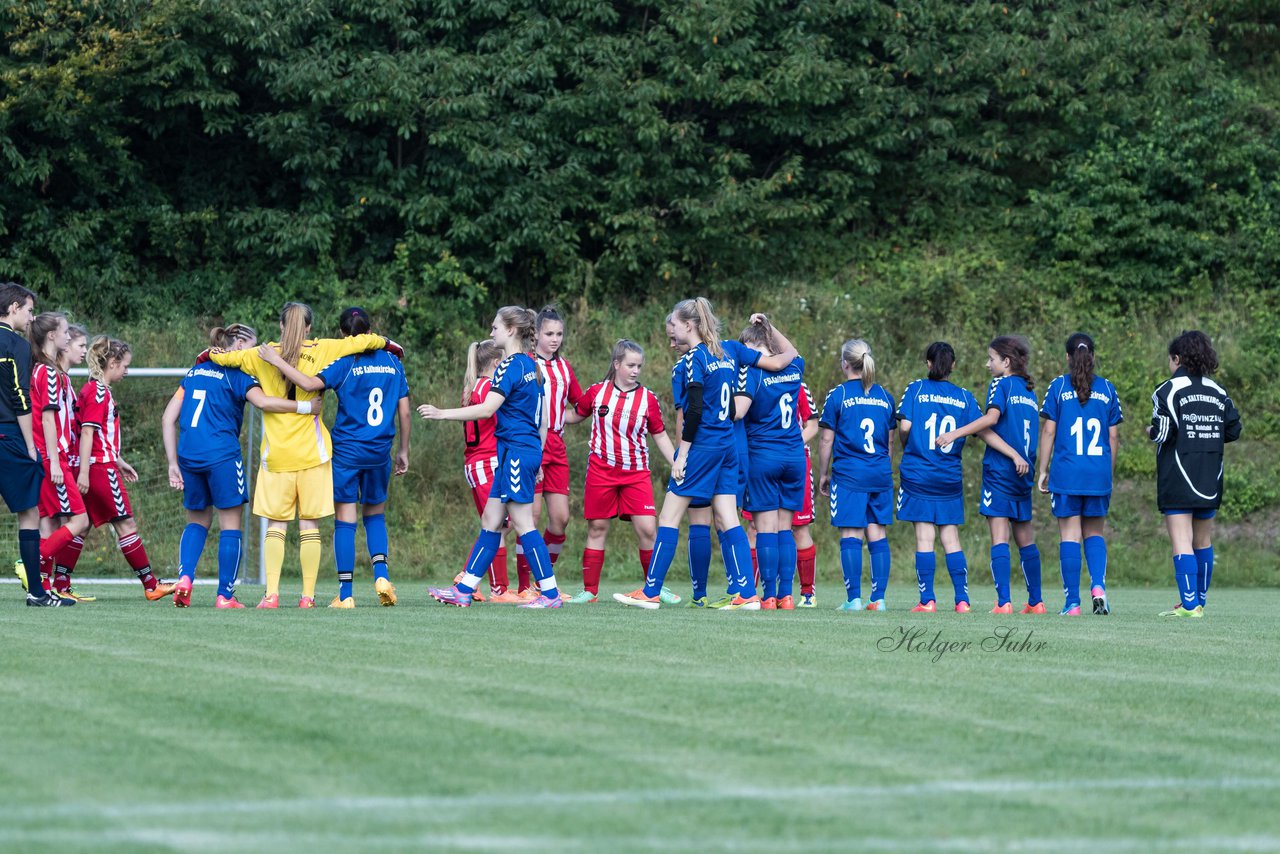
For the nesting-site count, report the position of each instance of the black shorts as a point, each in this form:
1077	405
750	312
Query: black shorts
21	478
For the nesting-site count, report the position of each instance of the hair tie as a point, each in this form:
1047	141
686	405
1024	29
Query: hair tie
1082	344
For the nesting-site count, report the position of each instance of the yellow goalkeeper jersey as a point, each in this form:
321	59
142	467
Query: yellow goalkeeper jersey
296	442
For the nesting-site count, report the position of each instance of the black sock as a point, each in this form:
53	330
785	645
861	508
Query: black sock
29	549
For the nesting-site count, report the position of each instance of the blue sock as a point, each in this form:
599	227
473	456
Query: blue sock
879	550
190	547
786	563
1187	573
736	552
1069	558
730	583
699	558
664	552
1001	572
535	552
481	557
229	551
767	557
1030	557
344	556
375	537
851	566
1095	555
1204	575
926	565
958	569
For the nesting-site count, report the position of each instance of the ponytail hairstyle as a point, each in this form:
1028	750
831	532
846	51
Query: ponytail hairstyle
42	326
225	337
75	330
295	322
354	321
1016	349
1195	353
855	355
941	358
549	312
620	351
698	312
759	335
102	352
1080	365
523	321
479	354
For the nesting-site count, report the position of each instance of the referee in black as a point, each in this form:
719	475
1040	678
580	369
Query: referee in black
21	470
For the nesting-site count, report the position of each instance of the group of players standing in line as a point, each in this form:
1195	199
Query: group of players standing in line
744	420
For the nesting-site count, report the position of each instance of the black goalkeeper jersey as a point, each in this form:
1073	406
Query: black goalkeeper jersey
1191	419
15	375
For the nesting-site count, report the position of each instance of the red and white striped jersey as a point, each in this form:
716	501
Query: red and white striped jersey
621	422
559	387
72	407
804	406
50	390
482	444
97	409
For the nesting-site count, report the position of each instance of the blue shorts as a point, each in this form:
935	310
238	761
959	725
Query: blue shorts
1065	506
361	485
777	483
996	505
744	477
1195	514
853	509
516	475
939	511
223	485
20	484
707	473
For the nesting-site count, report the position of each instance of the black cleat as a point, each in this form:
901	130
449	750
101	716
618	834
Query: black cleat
48	600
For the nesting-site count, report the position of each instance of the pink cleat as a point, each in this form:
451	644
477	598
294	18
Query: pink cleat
1006	608
307	602
270	602
1037	608
224	602
182	592
450	596
543	602
963	608
925	607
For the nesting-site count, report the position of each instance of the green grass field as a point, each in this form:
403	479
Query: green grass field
140	727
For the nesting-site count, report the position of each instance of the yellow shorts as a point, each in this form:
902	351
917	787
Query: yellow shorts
307	494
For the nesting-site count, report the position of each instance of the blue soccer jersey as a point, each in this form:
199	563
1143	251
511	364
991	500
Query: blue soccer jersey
212	412
1081	462
717	376
771	422
369	387
934	407
519	418
1018	425
679	376
862	421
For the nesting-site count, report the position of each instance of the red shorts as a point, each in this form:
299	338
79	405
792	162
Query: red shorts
805	516
555	466
480	479
106	501
617	492
62	500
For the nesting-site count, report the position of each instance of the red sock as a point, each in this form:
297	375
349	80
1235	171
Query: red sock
134	552
70	555
806	559
498	580
523	572
646	555
55	542
592	564
555	542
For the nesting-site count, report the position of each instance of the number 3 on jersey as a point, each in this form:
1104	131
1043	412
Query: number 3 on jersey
375	408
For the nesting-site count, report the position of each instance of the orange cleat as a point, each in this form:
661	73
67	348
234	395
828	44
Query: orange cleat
528	594
506	597
770	604
925	607
1006	608
786	603
637	599
740	604
158	592
1038	608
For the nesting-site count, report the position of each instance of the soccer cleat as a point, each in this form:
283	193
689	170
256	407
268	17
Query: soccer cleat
854	604
450	596
49	600
543	602
808	600
740	604
963	608
698	602
637	599
877	605
349	602
722	602
1069	611
669	597
20	570
786	603
769	604
158	592
224	603
307	602
506	597
1194	613
1037	608
925	607
79	597
182	592
1101	606
476	595
270	602
584	597
1006	608
527	595
386	592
